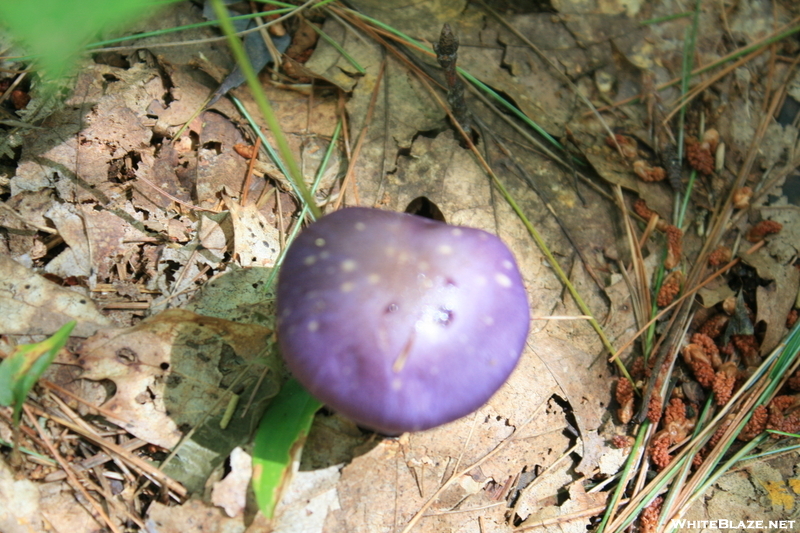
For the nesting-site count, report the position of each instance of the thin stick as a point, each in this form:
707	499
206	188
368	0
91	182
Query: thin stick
248	178
73	480
360	142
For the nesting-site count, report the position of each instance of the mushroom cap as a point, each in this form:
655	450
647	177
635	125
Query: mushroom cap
399	322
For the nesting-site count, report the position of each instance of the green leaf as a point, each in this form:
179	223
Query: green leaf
55	30
279	440
20	370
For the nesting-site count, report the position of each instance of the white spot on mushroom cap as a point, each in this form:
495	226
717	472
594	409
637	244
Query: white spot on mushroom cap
313	326
508	265
502	280
488	320
397	384
324	254
444	249
320	242
348	265
347	286
423	265
456	232
310	260
360	226
373	279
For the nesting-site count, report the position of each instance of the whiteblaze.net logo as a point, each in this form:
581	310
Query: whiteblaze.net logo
722	523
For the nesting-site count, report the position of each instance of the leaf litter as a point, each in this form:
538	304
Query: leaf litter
110	223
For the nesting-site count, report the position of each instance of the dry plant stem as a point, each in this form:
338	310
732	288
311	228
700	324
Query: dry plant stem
165	194
360	142
96	460
16	215
700	439
248	179
118	451
12	86
447	55
674	304
724	212
177	491
698	89
662	368
640	293
376	34
73	480
691	492
263	104
200	41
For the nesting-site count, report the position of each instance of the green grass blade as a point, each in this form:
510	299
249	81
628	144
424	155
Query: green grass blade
261	100
20	371
339	49
55	31
156	33
280	438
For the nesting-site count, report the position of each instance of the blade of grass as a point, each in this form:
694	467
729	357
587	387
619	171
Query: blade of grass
305	210
338	48
186	27
264	106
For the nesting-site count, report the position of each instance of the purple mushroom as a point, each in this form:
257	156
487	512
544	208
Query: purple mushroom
399	322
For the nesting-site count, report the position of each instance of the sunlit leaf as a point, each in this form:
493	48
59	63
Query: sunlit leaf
20	370
55	31
280	439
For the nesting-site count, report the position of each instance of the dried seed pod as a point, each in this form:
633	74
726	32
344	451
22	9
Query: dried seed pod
699	157
762	229
710	140
673	166
628	145
720	256
741	198
648	173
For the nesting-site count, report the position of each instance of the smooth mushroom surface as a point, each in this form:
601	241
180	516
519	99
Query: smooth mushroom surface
399	322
